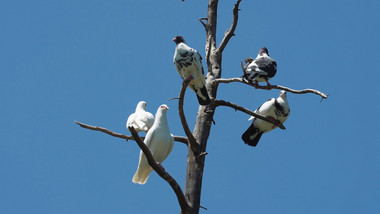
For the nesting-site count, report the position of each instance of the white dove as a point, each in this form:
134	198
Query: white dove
141	120
160	142
275	108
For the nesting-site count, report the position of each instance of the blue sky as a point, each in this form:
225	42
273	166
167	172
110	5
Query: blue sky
92	61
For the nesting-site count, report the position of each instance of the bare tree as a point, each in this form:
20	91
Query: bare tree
189	199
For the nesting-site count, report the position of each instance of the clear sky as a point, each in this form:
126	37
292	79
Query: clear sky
92	61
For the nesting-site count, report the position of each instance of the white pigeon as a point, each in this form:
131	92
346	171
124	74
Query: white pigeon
160	142
260	69
188	62
275	108
141	120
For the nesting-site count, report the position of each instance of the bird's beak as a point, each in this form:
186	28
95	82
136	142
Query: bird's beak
173	39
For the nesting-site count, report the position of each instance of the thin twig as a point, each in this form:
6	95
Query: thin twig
242	109
101	129
202	154
160	170
173	98
241	80
203	207
230	32
192	142
204	24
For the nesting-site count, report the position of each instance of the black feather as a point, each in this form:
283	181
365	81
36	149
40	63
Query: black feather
252	130
205	94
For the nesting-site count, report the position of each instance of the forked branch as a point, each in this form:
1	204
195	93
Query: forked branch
241	80
231	31
247	111
160	170
104	130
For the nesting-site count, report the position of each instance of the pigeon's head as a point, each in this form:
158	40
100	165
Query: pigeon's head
178	39
283	94
263	51
141	105
248	60
164	107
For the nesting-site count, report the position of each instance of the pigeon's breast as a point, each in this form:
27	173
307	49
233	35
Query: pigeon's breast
187	68
161	146
264	126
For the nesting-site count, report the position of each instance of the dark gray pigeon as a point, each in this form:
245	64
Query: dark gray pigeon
260	69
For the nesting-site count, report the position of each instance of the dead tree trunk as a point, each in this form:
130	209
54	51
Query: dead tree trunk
195	161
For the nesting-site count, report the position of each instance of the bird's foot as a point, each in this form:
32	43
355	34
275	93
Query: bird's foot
190	77
256	84
269	86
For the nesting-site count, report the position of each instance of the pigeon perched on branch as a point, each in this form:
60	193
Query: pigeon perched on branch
141	120
160	142
188	63
260	69
275	108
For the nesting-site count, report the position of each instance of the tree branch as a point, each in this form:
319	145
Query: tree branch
242	109
97	128
230	32
160	170
192	142
241	80
204	24
211	37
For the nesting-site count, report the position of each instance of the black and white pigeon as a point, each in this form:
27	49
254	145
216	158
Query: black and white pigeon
160	142
261	69
141	120
275	108
188	63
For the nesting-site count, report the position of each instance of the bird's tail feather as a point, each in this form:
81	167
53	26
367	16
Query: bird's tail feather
204	99
252	76
249	75
252	136
142	175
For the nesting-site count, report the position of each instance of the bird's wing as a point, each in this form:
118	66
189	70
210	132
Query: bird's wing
266	107
197	59
144	120
149	138
178	68
170	146
149	119
256	68
131	119
266	66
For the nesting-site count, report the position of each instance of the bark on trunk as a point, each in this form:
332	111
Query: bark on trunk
195	163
